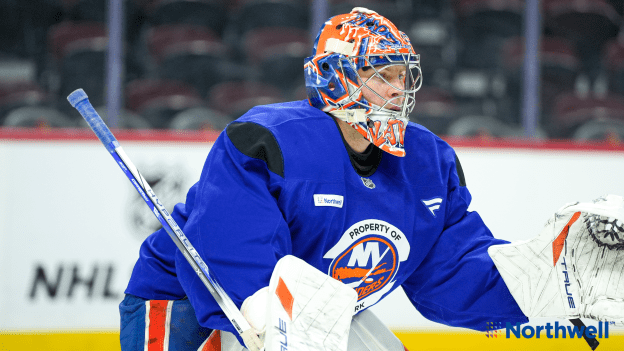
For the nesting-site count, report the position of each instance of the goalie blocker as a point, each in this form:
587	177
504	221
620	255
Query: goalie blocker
574	268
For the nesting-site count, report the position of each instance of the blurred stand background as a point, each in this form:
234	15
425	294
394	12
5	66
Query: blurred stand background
149	61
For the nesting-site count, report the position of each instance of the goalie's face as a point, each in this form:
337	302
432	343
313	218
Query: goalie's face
383	86
364	71
388	91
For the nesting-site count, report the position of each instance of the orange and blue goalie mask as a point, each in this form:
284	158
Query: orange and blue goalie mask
346	44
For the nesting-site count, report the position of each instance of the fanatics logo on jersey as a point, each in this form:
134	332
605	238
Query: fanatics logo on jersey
367	258
368	183
433	204
328	200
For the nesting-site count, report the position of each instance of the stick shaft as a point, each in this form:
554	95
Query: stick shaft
78	99
592	342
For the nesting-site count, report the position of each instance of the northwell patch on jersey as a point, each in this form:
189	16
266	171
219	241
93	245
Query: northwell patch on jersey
433	204
328	200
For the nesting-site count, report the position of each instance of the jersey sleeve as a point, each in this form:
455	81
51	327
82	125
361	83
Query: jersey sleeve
457	283
154	274
236	225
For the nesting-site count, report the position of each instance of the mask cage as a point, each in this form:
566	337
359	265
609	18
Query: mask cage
412	80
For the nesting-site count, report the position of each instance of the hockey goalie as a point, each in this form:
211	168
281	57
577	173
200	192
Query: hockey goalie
306	208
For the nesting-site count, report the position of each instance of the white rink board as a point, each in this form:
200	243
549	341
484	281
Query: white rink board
66	209
66	205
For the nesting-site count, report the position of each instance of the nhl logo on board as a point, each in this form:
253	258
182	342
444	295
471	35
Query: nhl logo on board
368	183
170	188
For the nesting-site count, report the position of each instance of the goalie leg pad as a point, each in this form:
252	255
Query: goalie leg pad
367	333
221	341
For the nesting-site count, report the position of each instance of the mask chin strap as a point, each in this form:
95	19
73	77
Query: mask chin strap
356	115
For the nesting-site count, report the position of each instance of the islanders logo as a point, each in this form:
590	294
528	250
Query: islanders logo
367	258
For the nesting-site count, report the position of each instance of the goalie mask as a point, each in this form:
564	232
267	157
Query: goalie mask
350	44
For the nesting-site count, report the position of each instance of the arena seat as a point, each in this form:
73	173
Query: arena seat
559	68
481	126
589	24
432	39
490	127
24	26
97	11
88	10
210	14
600	130
20	94
618	5
158	101
435	109
234	98
571	111
69	36
481	92
79	49
256	14
125	119
199	118
483	26
11	28
37	116
278	53
191	54
614	62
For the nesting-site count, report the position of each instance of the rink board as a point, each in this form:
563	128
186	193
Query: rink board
71	225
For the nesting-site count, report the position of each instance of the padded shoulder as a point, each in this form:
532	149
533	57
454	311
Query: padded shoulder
257	142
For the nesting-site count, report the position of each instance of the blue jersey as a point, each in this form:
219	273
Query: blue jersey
279	181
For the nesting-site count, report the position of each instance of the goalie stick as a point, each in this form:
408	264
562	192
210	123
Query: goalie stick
592	342
79	100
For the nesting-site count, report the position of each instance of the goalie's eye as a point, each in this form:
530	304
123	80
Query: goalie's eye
381	76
